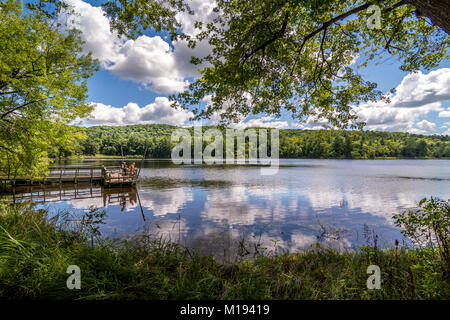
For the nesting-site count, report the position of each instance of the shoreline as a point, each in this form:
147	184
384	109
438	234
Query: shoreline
37	251
139	157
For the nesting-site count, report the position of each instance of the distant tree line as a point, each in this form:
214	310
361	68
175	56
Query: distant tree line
360	144
294	143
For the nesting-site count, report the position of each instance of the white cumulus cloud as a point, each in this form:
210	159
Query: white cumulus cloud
445	113
417	95
425	125
159	111
149	61
418	89
263	122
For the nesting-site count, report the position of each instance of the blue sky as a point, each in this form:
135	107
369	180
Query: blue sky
138	75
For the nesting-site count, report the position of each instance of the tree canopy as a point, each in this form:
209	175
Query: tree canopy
42	87
297	55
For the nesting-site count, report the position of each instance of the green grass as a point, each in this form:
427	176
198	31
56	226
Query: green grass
36	251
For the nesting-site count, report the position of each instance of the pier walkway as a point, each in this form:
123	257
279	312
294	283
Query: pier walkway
106	176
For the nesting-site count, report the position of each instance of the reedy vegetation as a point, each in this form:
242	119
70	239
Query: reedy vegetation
35	252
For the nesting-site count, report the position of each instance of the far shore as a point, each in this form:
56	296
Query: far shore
139	157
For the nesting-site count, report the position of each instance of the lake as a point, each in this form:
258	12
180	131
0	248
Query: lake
225	209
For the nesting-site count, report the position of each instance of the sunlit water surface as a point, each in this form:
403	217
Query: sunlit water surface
215	208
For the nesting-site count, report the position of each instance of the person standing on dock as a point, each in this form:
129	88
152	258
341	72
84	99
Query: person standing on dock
132	168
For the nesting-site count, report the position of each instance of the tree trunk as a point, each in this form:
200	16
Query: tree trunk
437	10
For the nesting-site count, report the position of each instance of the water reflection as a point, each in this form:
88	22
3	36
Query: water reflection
224	209
164	202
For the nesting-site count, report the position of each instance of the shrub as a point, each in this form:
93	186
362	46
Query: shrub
429	226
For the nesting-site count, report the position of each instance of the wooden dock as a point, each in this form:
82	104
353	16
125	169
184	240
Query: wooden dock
106	176
69	192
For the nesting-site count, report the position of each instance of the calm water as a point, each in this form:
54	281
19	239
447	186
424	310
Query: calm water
212	208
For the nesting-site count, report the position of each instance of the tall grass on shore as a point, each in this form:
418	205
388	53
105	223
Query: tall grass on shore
35	252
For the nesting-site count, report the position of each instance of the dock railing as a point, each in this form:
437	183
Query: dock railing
117	176
76	174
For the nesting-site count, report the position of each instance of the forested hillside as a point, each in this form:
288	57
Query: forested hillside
294	143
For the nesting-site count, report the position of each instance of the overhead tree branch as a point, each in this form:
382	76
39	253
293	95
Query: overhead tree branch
275	37
20	107
7	149
343	16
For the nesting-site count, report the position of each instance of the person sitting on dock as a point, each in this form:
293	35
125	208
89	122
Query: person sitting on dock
103	171
132	168
124	168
